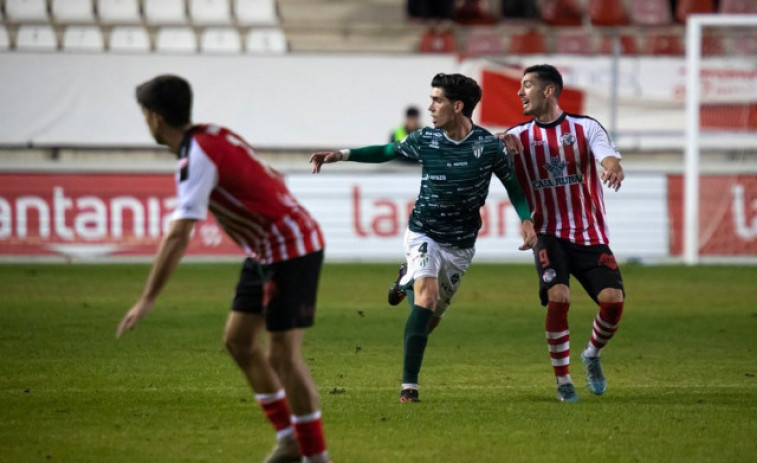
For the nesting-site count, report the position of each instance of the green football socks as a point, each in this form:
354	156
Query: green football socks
416	337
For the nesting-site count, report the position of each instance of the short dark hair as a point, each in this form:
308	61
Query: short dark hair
547	73
167	95
458	87
412	111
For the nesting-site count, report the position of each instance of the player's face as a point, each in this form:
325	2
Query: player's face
441	108
533	95
153	123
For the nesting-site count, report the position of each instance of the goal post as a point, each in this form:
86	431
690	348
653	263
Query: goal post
744	138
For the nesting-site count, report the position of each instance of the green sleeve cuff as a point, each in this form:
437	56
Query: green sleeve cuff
375	154
517	198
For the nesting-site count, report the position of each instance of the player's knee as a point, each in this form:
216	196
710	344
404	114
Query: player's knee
559	293
610	295
242	349
427	301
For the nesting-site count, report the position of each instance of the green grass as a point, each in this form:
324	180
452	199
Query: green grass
681	371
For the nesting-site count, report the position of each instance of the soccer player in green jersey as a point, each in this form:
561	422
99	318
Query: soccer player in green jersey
458	160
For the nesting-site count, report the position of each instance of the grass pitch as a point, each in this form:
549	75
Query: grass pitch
681	371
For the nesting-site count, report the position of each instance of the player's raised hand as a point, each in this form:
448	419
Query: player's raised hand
529	236
324	157
133	316
613	174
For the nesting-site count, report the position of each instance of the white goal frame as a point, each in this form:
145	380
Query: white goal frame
694	26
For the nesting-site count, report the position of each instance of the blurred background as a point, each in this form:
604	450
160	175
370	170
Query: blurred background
81	179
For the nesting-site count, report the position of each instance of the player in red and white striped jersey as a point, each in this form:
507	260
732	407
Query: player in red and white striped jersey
219	172
556	156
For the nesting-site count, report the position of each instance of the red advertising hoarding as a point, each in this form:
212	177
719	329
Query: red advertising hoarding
727	215
95	215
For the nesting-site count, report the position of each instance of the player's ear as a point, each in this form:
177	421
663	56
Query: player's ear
458	106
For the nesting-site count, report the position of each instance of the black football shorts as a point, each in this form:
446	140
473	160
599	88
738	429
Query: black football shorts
593	266
284	292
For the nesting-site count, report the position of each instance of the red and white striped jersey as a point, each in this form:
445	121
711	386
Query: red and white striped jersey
558	173
219	171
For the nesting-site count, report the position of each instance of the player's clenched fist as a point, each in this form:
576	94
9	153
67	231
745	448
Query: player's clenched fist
511	142
324	157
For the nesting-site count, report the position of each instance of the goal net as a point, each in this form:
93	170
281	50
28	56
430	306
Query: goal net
719	185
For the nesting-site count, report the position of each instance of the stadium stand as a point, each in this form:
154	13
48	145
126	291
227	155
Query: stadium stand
36	38
520	10
129	39
21	11
651	13
574	43
737	7
5	42
83	39
607	13
266	41
172	39
256	12
686	7
220	40
561	13
628	45
531	41
438	40
210	12
484	42
119	12
665	44
73	11
384	26
165	12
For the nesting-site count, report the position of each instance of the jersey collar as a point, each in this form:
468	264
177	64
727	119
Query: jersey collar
554	123
457	142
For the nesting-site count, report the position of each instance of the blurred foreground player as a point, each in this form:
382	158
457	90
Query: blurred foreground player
458	160
220	172
556	162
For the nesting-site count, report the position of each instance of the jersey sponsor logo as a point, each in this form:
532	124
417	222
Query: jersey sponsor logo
434	177
457	164
608	260
557	175
478	149
568	139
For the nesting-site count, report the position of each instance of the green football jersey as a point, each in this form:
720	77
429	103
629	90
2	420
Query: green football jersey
455	182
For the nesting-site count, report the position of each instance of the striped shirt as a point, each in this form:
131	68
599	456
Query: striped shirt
220	172
558	172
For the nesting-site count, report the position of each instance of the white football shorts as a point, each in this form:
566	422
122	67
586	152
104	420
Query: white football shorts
428	259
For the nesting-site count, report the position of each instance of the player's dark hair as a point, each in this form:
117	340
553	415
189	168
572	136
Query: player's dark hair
458	87
412	111
547	73
167	95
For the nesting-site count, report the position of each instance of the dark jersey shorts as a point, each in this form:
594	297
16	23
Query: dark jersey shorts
284	292
593	266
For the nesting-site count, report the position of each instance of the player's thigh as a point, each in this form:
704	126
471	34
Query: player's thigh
552	264
423	256
290	292
454	264
596	268
248	295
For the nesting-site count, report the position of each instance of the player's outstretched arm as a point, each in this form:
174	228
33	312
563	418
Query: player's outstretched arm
324	157
613	174
372	154
169	254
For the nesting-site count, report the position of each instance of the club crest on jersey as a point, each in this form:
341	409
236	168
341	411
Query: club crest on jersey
568	139
434	144
558	176
478	149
